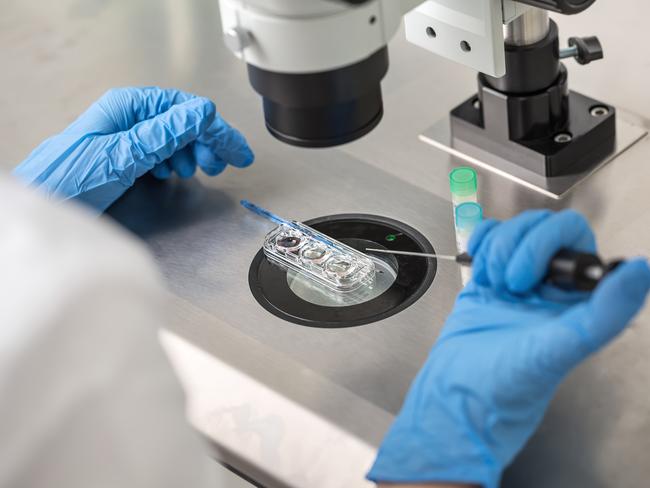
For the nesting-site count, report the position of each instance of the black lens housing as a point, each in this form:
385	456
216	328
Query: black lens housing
326	108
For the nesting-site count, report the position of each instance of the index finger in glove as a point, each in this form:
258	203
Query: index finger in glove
142	103
479	235
227	143
159	138
492	257
119	109
530	260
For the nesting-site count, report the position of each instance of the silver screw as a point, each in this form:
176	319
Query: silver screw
569	52
599	111
563	138
477	104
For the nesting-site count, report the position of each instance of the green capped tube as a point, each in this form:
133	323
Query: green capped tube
463	183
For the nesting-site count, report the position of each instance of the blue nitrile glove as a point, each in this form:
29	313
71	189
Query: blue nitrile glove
128	132
505	348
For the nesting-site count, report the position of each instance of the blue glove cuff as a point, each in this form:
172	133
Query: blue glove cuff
412	456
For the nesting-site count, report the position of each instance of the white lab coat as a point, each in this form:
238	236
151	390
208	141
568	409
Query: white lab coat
87	399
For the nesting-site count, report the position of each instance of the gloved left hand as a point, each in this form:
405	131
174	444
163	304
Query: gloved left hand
127	133
505	348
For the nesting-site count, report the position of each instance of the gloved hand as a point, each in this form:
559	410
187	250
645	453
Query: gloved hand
505	348
128	132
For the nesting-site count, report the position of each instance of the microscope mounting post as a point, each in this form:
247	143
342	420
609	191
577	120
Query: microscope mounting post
526	124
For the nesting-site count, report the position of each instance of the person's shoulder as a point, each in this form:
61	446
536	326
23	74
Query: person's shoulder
51	251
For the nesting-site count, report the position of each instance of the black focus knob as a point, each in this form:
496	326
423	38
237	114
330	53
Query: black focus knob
561	6
586	49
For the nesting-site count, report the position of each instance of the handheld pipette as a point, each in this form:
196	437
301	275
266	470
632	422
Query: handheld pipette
568	269
462	259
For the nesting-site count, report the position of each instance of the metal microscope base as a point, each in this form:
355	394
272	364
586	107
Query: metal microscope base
440	136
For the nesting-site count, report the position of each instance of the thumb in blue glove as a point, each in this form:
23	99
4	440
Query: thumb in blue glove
127	133
505	348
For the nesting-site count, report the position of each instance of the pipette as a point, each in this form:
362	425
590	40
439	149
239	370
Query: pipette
262	212
462	259
568	269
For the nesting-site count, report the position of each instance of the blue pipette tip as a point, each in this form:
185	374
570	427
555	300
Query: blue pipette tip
262	212
248	205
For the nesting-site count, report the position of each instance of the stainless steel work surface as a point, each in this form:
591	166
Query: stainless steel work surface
256	384
207	264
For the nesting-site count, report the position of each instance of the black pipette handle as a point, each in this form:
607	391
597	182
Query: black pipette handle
573	270
570	270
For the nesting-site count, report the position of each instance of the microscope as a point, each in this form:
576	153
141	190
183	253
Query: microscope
318	65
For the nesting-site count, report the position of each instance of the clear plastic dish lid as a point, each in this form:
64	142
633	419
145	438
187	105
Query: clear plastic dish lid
316	256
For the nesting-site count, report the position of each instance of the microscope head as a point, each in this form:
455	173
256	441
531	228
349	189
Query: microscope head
318	64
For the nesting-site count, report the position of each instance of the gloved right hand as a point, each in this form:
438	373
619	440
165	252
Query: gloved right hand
127	133
505	348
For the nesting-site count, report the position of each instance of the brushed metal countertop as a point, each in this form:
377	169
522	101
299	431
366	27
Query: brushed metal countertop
294	406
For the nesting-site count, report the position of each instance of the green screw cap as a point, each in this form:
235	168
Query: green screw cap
463	182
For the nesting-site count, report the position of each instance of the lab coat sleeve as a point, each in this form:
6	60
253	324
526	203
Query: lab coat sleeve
87	398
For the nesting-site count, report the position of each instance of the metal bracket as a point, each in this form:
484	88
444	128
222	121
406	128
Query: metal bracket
469	32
